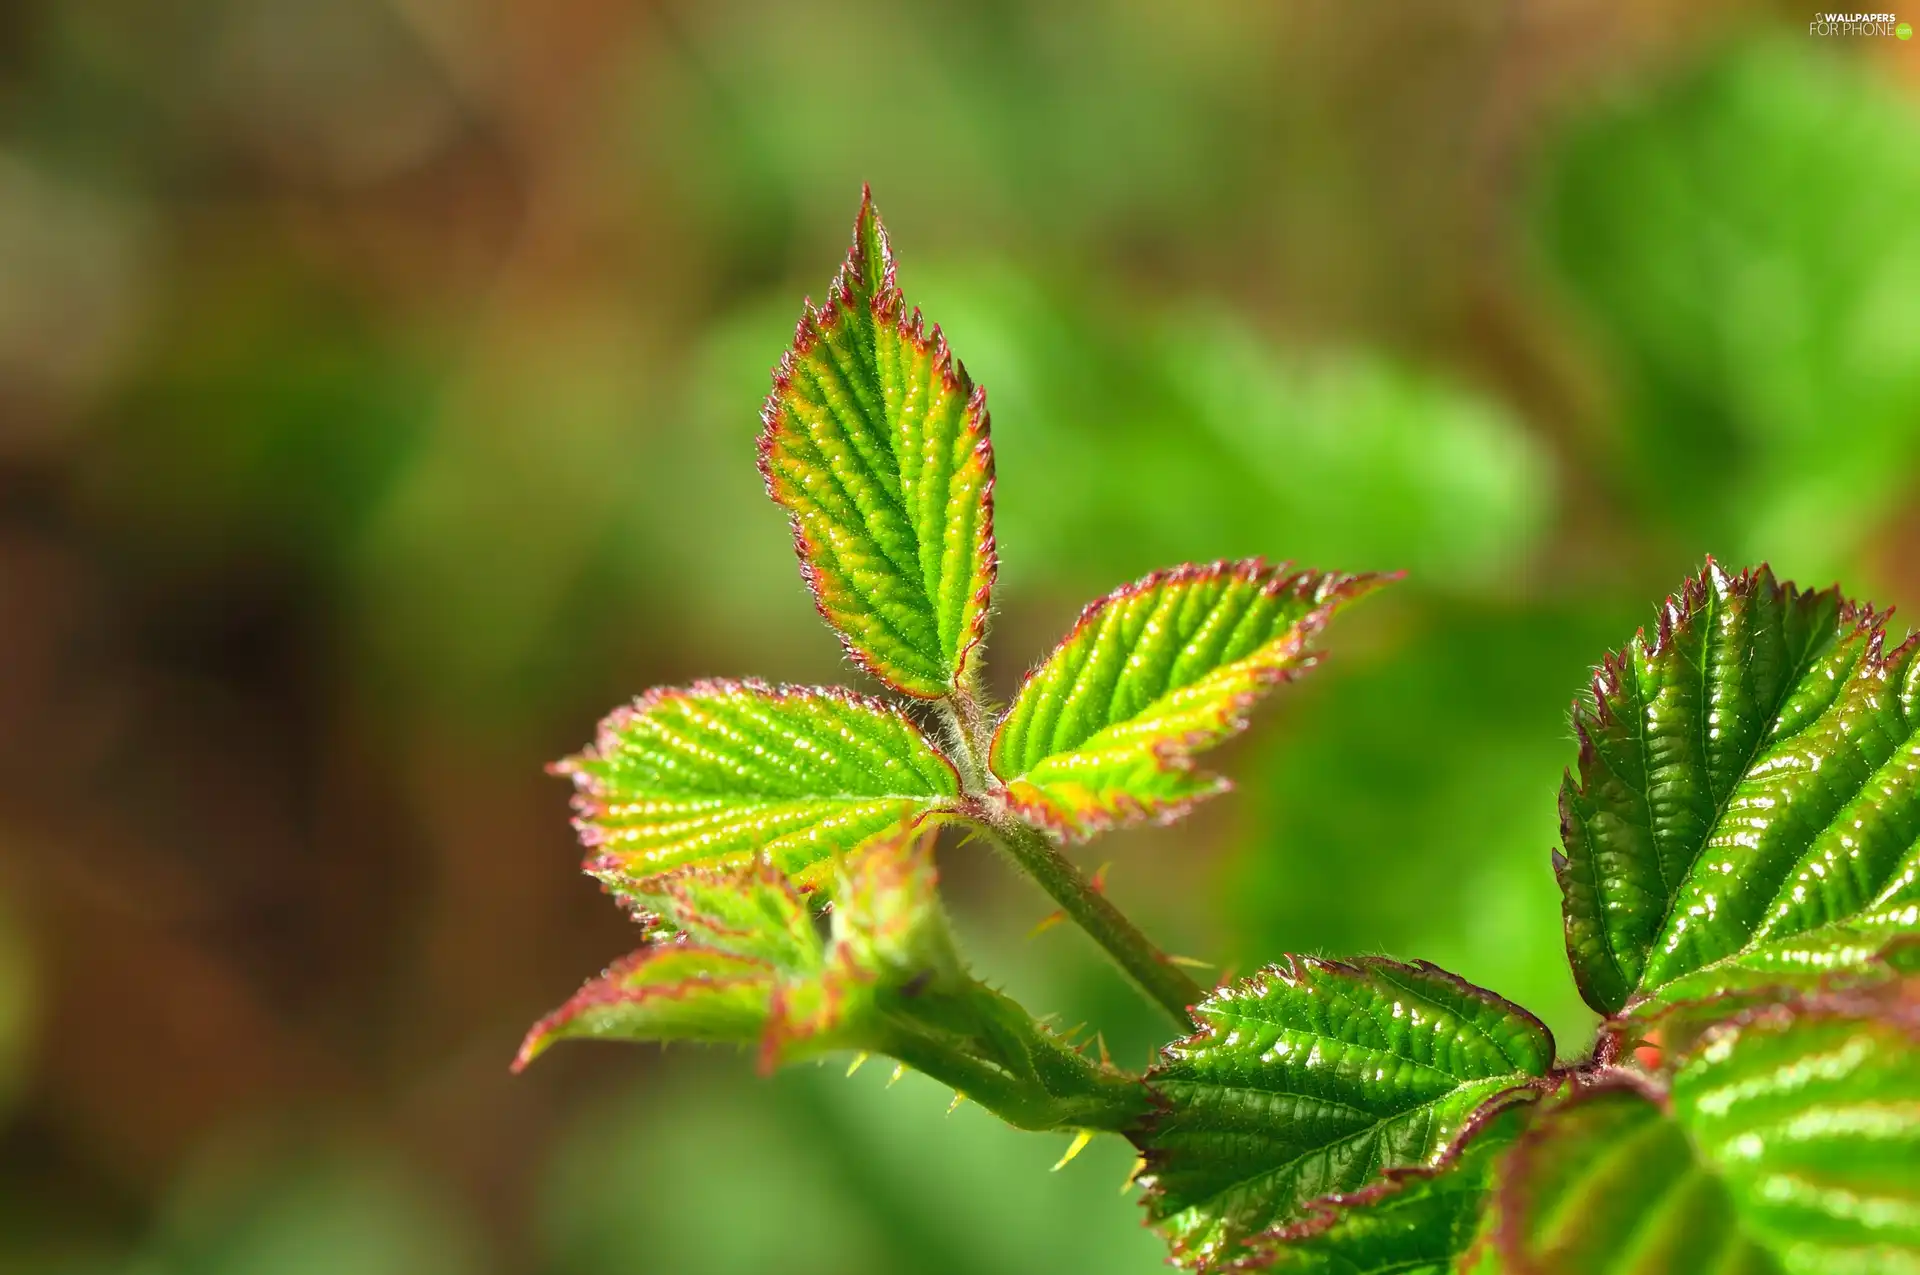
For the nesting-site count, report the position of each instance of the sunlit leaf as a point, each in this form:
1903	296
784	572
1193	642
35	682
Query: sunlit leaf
876	445
1790	1148
1104	731
1747	803
751	913
1314	1079
742	963
724	772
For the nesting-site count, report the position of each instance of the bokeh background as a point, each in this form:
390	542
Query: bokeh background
378	385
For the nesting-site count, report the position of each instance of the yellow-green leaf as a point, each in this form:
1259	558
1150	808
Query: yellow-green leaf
876	444
741	962
1104	731
726	772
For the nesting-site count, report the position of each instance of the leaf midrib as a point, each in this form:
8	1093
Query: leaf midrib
1373	1131
1762	740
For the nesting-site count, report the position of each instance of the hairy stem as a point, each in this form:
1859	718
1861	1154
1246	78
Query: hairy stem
1023	1075
1165	983
967	725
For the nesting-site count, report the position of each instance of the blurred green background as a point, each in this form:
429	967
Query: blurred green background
378	384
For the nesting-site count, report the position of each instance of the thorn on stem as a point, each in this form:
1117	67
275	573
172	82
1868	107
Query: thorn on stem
1047	922
1079	1144
859	1060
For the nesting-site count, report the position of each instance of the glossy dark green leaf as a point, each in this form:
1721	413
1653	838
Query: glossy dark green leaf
1747	803
1811	1117
1790	1148
1314	1079
1607	1183
1423	1223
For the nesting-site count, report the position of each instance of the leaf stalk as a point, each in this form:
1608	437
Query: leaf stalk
1165	983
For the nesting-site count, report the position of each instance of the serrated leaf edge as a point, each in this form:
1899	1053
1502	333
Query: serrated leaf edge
1176	754
1591	708
1320	1213
1325	1211
604	990
887	305
589	790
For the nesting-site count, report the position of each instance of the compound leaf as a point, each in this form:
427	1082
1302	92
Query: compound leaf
876	445
739	959
1747	803
725	772
1789	1151
1318	1079
1104	731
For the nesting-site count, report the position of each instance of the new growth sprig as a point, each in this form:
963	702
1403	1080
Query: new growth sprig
1740	871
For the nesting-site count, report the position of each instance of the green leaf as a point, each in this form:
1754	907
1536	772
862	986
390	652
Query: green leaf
1314	1079
1790	1148
1420	1223
741	962
876	445
1811	1116
1747	803
1605	1183
1104	731
725	772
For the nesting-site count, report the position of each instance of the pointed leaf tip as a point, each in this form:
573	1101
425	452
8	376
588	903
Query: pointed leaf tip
876	443
1761	735
1105	730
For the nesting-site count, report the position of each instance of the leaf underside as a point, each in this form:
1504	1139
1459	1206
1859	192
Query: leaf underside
728	772
1314	1080
735	957
1104	731
1746	810
876	444
730	937
1790	1150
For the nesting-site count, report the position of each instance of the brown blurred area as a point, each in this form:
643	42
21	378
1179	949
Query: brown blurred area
361	441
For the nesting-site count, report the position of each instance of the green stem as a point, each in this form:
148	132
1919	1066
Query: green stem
971	741
1021	1074
1165	983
